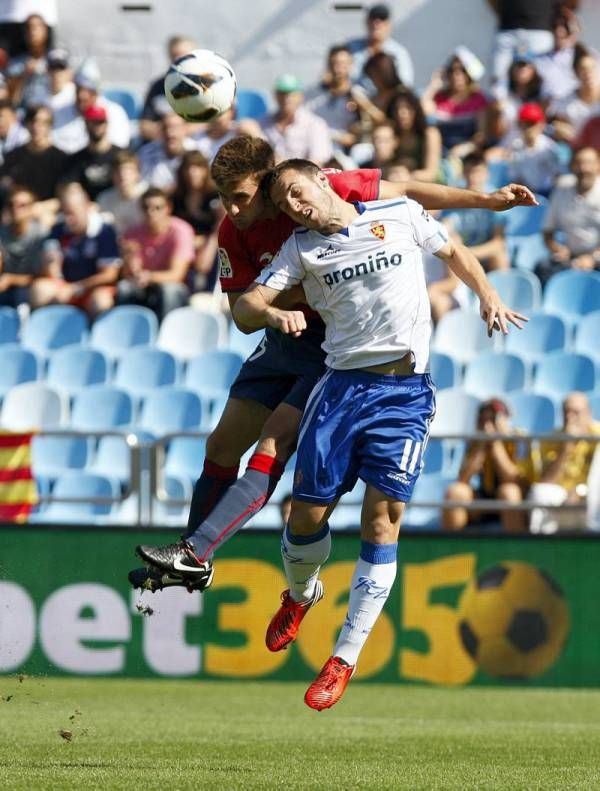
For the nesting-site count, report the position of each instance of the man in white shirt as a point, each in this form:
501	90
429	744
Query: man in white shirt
160	159
369	415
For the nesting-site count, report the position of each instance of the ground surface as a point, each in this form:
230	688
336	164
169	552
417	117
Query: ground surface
193	735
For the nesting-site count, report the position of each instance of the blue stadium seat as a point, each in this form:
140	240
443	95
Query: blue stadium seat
141	370
532	412
80	484
250	104
211	374
561	372
526	220
497	173
75	367
127	99
542	334
587	337
9	325
112	458
53	327
493	374
595	406
169	410
526	252
185	457
241	343
18	365
123	327
186	332
521	290
101	407
462	335
175	489
52	456
33	405
444	370
429	488
456	412
572	294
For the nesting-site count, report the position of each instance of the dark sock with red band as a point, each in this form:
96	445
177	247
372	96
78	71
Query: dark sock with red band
240	503
208	490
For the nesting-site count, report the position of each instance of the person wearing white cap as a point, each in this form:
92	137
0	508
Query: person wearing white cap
293	130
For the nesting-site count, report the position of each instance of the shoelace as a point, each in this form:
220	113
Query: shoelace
331	678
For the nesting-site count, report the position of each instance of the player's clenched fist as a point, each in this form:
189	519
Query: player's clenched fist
290	322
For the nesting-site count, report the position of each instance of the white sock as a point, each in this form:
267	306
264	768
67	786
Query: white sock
372	581
303	557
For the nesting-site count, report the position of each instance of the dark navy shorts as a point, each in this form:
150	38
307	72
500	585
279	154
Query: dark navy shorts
362	425
282	369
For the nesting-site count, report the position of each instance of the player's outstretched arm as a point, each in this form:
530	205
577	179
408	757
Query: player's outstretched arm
254	310
491	308
439	196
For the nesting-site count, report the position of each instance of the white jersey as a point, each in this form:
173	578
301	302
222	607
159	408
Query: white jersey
367	282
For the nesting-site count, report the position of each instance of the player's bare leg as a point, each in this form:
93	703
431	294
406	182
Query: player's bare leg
305	546
242	500
372	580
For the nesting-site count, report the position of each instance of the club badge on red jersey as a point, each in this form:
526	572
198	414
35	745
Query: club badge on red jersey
225	268
378	230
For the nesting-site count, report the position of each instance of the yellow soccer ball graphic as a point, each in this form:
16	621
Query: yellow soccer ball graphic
513	620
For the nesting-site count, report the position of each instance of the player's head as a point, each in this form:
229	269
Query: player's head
237	170
301	189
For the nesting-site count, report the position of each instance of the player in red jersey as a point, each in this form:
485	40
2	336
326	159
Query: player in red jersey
267	399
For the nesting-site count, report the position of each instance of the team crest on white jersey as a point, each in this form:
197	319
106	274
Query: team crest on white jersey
378	230
225	268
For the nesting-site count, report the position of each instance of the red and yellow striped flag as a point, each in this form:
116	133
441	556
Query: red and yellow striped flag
18	493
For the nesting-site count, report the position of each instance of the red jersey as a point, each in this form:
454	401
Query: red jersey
243	254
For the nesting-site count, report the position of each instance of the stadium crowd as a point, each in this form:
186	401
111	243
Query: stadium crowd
104	205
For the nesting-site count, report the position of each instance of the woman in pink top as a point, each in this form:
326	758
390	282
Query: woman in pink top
454	102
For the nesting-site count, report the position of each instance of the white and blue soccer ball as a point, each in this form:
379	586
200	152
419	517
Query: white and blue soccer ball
200	86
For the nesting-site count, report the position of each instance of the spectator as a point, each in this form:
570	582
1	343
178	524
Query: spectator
556	68
196	201
534	158
523	26
81	257
72	133
570	114
215	133
27	73
122	201
565	468
589	135
524	85
12	133
61	95
21	244
156	105
453	98
38	164
419	144
13	14
294	131
378	39
574	214
503	469
156	256
480	230
333	100
160	159
92	166
385	142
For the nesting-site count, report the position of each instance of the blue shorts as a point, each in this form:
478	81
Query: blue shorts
363	425
282	369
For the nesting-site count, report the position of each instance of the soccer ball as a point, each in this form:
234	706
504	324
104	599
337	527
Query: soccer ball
513	620
200	86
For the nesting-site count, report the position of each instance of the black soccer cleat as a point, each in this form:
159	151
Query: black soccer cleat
177	560
153	580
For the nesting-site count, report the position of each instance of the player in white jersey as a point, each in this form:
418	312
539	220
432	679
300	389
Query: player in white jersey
361	269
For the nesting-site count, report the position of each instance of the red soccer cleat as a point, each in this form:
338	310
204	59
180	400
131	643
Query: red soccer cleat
285	623
329	686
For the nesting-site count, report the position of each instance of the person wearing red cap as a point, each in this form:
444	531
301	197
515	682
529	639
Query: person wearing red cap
534	158
92	165
504	471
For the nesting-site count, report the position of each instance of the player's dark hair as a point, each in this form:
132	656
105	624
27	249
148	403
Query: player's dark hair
240	158
299	165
